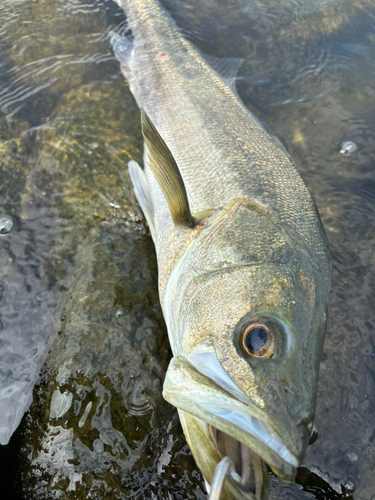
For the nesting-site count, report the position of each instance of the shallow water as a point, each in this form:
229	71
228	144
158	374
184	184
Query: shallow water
78	277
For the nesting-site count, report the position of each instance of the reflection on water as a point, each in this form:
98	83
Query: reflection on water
77	267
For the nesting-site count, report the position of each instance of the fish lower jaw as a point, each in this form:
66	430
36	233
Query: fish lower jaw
250	462
259	437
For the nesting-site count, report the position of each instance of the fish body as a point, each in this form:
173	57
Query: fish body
253	266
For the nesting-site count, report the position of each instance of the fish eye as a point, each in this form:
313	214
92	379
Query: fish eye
257	340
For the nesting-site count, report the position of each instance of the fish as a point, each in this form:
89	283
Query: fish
244	267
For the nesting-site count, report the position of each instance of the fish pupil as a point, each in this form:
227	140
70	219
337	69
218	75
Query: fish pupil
256	339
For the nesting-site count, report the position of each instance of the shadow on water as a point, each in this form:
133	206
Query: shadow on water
78	274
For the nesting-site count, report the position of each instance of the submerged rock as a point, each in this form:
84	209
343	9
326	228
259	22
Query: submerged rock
100	427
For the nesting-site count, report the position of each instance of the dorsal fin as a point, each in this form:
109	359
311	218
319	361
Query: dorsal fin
166	172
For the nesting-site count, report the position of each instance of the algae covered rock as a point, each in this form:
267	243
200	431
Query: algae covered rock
100	427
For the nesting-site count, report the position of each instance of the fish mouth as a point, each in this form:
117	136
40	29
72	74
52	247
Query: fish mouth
251	473
234	424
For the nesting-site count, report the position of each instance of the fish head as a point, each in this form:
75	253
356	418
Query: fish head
251	332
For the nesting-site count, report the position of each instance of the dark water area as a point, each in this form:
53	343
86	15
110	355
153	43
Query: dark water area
82	337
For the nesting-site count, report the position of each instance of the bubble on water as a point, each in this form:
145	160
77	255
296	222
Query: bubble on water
6	225
119	312
348	147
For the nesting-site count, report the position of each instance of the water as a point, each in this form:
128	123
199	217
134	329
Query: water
78	277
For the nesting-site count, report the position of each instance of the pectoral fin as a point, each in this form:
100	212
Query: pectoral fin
167	174
142	193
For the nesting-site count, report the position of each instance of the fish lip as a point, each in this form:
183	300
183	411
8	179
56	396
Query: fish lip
230	411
